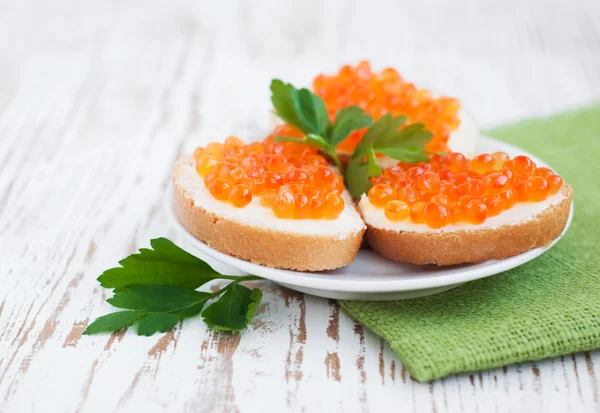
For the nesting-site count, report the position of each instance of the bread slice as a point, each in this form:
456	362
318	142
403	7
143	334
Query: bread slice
255	234
522	228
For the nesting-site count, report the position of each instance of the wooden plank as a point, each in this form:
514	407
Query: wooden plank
98	100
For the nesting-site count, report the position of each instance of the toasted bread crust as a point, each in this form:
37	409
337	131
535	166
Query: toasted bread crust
463	246
262	246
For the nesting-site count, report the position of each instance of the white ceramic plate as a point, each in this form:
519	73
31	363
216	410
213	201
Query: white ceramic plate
371	277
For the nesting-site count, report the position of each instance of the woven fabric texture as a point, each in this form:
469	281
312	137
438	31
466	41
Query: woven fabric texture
545	308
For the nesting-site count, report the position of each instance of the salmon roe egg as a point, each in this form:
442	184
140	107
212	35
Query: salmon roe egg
322	175
240	195
381	194
555	183
509	198
454	213
334	205
472	187
440	199
396	210
219	189
493	202
499	159
436	215
197	152
450	191
216	150
417	213
204	163
496	183
543	172
232	142
521	164
457	162
296	175
394	172
258	181
483	163
273	180
474	211
302	206
407	194
317	207
428	182
268	198
471	192
285	202
289	178
509	173
538	190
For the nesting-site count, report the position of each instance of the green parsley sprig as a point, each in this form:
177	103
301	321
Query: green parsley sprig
306	111
385	137
157	288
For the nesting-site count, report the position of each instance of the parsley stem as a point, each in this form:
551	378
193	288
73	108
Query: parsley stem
236	280
333	154
340	165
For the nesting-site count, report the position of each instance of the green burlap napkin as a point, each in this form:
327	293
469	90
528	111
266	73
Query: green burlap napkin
545	308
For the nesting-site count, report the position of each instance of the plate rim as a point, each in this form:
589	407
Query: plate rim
289	277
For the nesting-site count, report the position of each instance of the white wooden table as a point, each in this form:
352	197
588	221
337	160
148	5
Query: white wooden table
97	99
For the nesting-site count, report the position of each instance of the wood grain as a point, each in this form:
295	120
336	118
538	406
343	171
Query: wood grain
97	100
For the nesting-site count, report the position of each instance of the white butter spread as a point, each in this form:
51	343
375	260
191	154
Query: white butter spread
348	223
522	211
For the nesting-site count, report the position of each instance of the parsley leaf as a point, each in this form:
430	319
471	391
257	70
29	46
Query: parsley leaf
311	140
307	112
113	322
300	108
410	154
382	133
357	177
415	135
156	288
234	310
317	141
157	322
348	120
360	169
313	112
374	168
385	137
165	264
160	299
285	101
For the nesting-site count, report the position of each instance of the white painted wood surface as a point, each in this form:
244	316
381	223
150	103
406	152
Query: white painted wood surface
97	99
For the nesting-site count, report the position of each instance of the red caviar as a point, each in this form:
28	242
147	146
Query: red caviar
291	179
454	189
386	92
396	210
